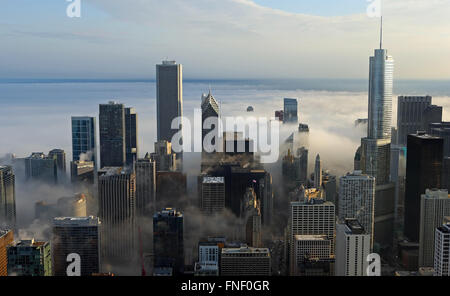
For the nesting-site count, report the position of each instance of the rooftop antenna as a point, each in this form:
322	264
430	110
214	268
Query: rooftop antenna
381	33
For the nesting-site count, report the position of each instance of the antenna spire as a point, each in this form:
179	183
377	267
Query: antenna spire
381	33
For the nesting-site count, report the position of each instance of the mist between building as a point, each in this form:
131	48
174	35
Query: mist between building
254	135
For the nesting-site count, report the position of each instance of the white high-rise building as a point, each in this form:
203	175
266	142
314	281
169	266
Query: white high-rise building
352	249
310	217
442	251
318	173
435	205
357	200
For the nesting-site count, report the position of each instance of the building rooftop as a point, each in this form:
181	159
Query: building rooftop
245	250
310	237
76	221
425	136
29	243
213	180
354	227
168	212
4	232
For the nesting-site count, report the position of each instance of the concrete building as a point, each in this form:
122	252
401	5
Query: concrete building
245	261
7	197
353	245
169	98
72	206
117	211
310	248
250	219
84	139
410	111
310	216
212	195
442	251
30	258
423	171
6	238
208	258
82	172
168	240
357	200
434	206
80	236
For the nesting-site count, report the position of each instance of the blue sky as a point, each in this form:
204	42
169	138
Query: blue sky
317	7
221	38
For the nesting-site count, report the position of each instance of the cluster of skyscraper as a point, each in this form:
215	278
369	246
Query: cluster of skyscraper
132	210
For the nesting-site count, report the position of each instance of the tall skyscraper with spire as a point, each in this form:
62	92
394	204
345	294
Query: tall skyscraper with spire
376	147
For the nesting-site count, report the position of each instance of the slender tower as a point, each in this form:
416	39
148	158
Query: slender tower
318	173
376	147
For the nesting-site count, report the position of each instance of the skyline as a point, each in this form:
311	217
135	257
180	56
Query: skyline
117	40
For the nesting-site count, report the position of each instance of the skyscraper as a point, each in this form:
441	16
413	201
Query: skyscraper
290	114
145	186
352	248
7	197
435	205
112	135
60	157
80	236
442	130
442	251
318	173
410	115
211	113
423	171
131	133
212	195
432	114
376	147
169	97
117	211
6	238
40	167
357	200
30	258
84	139
168	240
312	216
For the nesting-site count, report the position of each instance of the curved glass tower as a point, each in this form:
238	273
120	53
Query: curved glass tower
380	95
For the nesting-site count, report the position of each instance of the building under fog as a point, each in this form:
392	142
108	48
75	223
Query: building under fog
117	211
80	236
30	258
7	197
168	240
